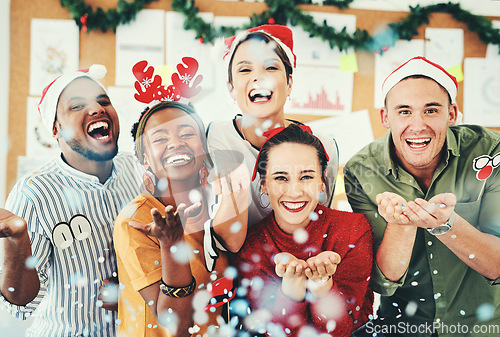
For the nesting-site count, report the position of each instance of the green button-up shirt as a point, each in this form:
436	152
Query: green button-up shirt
444	291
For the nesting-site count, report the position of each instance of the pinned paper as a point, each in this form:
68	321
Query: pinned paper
457	72
349	63
165	73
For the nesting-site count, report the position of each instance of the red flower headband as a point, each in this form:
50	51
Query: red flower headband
184	84
273	132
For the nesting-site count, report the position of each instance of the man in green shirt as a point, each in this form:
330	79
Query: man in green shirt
431	192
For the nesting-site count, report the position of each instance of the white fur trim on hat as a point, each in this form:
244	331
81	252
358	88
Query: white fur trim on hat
421	66
50	96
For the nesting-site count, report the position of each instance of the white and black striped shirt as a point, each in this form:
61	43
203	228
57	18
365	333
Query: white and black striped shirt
56	202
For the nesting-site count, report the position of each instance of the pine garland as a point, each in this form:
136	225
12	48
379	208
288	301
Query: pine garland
88	19
283	12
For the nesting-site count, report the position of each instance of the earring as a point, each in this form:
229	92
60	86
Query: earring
148	179
260	201
204	176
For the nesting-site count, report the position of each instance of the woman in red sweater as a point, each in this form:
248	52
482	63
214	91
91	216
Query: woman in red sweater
305	266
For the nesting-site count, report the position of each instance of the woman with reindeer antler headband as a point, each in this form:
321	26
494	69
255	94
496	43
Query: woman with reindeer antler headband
260	63
166	238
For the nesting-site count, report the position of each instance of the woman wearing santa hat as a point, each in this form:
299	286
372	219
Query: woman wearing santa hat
260	62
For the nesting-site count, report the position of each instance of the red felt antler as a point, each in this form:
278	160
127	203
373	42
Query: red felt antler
184	79
149	87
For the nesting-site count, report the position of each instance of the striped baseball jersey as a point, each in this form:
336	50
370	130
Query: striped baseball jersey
70	217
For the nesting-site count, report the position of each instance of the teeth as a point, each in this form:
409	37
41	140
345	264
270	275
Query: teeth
260	94
98	125
294	205
178	158
417	143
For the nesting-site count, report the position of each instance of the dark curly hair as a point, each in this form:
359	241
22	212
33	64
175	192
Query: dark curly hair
261	36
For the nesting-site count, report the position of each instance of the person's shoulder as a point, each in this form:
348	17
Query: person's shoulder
474	134
132	212
46	171
124	161
371	153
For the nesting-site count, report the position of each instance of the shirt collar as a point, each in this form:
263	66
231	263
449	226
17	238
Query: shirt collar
88	178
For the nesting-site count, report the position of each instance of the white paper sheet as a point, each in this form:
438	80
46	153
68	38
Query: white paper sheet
401	52
315	51
320	91
444	46
352	132
492	49
54	50
481	91
141	39
128	110
39	140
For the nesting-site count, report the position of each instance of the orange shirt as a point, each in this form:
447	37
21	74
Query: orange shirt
139	265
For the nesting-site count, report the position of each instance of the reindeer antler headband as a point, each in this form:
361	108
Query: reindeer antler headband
185	84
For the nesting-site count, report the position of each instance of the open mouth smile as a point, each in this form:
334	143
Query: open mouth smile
260	95
99	130
294	206
418	143
178	159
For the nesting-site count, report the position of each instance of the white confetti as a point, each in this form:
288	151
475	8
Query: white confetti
194	196
411	308
313	216
100	259
182	252
471	256
300	235
485	312
235	227
11	289
162	184
267	124
31	262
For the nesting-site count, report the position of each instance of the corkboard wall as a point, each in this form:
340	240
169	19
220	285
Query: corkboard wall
98	47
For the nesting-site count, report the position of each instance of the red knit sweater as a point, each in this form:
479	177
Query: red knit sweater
350	301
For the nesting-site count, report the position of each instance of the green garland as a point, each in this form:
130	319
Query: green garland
88	19
287	11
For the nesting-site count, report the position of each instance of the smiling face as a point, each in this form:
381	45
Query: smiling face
172	145
418	113
86	124
260	84
293	184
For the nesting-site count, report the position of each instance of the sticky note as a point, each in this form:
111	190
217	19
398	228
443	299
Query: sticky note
457	72
349	63
165	73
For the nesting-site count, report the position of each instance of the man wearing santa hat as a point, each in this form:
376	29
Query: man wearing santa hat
56	260
431	191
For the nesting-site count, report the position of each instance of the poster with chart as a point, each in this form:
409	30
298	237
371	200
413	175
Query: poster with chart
320	91
54	50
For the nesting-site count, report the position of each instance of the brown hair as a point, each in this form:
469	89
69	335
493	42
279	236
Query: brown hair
261	36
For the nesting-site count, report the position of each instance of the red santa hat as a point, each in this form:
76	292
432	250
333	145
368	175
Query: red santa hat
281	34
50	95
421	66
